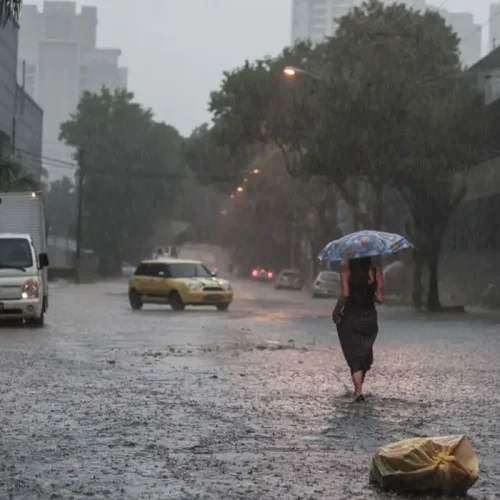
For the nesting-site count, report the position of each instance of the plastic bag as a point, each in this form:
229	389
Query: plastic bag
444	465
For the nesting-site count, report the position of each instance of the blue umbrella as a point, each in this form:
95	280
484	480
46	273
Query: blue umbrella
364	244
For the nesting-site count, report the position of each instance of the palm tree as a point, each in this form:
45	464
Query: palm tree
9	9
13	177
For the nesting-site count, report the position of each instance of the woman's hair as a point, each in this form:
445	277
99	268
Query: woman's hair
362	265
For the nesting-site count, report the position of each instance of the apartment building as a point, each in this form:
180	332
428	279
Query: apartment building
469	33
21	118
61	60
316	19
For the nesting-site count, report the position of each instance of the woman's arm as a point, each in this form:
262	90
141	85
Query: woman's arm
344	295
379	294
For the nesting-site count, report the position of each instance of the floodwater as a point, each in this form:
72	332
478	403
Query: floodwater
250	404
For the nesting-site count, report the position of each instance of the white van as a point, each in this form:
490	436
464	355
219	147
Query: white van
24	293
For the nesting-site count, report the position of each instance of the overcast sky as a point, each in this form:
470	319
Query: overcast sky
176	50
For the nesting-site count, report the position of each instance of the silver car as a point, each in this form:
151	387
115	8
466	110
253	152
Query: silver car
326	284
289	279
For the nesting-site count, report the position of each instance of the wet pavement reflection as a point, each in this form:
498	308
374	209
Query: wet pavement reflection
254	403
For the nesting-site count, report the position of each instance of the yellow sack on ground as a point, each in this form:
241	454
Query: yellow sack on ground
445	465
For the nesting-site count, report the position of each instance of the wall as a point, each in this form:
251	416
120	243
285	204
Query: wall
62	253
471	253
8	81
29	130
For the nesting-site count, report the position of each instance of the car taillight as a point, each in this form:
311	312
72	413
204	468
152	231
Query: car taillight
270	274
254	272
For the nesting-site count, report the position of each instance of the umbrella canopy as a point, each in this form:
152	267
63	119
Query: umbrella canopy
364	244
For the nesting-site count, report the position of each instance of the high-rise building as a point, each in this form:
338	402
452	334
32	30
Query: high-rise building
417	5
317	19
494	26
58	49
468	32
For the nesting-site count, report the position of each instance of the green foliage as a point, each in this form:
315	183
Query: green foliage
132	167
13	177
9	9
208	160
385	104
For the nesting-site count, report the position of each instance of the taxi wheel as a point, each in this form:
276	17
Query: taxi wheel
222	307
135	300
176	302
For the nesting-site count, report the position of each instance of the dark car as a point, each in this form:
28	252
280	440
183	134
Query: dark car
261	274
290	279
326	284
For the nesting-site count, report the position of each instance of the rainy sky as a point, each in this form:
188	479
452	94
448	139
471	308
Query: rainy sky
176	50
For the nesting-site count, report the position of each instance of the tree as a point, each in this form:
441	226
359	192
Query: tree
9	9
132	167
61	208
13	177
421	122
388	109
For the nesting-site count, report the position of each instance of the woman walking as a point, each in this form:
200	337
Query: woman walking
356	317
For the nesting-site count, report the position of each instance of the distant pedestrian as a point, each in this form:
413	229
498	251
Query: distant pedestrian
356	317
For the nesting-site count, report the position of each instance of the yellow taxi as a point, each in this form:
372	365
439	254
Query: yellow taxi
179	283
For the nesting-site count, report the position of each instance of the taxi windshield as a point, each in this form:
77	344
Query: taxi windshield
183	270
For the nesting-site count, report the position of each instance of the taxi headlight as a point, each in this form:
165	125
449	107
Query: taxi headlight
194	285
225	285
30	290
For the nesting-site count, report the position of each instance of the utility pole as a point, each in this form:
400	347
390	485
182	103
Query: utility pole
79	210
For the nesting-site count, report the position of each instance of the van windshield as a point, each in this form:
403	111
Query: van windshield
15	253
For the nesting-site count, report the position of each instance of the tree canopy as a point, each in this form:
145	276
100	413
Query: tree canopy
381	106
131	168
13	176
9	9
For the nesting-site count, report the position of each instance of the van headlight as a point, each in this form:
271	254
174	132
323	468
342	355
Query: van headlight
30	290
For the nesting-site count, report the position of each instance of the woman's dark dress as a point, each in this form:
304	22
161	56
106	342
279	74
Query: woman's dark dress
358	327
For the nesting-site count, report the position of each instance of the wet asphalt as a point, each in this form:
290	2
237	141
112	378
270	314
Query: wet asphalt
254	403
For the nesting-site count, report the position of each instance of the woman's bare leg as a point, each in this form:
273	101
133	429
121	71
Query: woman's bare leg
357	378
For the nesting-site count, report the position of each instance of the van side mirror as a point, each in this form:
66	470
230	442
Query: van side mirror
43	258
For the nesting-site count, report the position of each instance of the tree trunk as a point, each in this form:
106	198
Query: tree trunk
417	280
433	302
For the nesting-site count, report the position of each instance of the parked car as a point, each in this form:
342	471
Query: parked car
261	274
326	284
179	283
290	279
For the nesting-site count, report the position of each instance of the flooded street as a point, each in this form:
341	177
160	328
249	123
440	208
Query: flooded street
252	404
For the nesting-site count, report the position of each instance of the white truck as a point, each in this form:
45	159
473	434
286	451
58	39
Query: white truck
24	292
